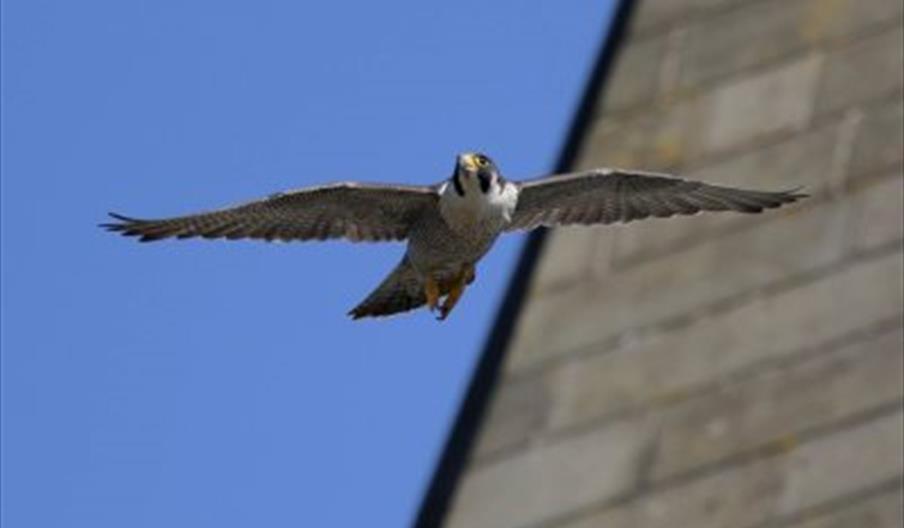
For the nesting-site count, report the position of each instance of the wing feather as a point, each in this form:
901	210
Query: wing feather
607	196
356	211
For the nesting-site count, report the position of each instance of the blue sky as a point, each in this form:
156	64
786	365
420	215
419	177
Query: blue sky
220	384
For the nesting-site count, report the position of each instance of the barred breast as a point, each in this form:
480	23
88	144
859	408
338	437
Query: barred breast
435	247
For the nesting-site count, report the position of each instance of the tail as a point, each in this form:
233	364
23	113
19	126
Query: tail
400	291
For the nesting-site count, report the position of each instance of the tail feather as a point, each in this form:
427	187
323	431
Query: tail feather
400	291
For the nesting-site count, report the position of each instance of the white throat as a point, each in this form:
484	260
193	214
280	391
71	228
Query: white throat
477	210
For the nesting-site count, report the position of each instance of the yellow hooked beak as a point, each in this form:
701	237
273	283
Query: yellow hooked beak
469	162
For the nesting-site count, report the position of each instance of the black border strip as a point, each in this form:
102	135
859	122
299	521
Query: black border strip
438	496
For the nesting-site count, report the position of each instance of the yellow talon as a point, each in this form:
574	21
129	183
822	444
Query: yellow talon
456	289
431	290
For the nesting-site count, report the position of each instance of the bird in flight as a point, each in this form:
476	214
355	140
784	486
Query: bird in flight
450	226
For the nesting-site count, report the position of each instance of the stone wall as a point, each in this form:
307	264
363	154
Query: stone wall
724	371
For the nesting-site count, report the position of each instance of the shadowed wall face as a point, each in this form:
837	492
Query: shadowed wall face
721	370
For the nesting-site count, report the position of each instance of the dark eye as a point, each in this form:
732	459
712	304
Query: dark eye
481	160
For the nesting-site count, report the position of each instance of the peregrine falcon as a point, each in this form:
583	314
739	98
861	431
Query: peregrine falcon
450	226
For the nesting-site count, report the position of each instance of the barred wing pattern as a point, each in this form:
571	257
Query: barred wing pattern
355	211
608	196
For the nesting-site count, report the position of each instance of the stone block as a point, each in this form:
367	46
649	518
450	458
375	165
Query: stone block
666	365
885	510
779	404
844	462
879	143
839	19
518	409
624	142
651	14
772	488
566	257
866	69
539	334
550	480
732	115
878	213
635	79
779	99
757	33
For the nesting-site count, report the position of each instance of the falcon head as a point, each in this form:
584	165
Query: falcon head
475	173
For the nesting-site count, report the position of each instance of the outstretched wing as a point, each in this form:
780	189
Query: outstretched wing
607	196
356	211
